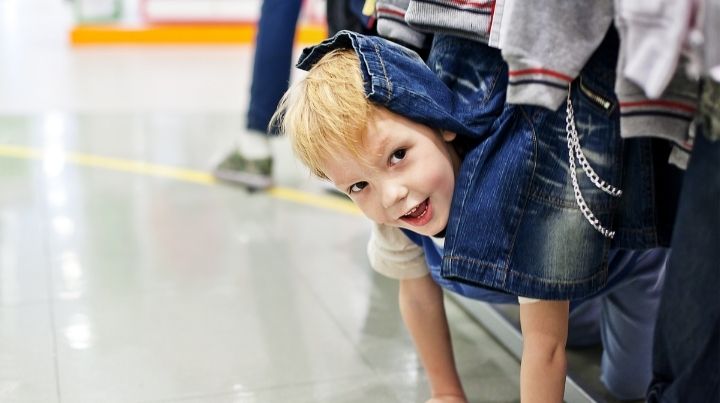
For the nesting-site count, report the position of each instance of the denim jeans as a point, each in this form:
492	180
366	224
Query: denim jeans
686	350
515	224
273	60
621	317
514	194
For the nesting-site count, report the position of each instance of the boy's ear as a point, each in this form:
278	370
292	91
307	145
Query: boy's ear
448	136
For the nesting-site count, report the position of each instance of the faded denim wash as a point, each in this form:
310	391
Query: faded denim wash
514	223
621	316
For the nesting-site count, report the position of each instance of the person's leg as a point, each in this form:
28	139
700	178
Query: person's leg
628	320
686	353
251	163
584	323
273	60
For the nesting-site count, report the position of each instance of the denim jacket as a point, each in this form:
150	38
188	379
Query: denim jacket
515	224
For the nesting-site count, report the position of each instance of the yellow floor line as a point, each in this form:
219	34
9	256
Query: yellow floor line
175	173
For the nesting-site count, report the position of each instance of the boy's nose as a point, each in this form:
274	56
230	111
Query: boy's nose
393	193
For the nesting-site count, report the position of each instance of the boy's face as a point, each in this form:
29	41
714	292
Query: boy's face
408	178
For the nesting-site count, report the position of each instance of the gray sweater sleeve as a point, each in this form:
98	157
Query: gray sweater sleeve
547	43
391	23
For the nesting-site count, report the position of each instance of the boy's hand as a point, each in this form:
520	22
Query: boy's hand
422	309
447	399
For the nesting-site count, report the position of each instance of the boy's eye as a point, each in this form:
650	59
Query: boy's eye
357	187
397	156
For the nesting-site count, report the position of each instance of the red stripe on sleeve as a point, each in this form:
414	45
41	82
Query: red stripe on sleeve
384	10
659	102
546	72
474	4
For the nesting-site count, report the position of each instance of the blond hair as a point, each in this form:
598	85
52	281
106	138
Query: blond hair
326	111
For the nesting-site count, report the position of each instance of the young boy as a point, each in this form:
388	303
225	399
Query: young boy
373	119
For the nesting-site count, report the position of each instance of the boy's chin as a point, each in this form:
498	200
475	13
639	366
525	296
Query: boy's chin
437	231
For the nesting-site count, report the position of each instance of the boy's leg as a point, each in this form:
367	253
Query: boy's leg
629	311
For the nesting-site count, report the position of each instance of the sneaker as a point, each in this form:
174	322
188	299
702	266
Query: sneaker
254	174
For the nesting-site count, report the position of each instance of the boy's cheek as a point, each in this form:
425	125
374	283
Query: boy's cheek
368	212
378	218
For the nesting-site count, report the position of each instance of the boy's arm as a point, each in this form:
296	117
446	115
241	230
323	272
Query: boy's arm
542	370
423	310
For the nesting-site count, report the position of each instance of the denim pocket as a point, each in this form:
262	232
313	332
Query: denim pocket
596	97
597	126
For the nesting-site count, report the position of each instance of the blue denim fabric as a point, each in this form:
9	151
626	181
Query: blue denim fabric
396	78
621	316
686	350
533	239
514	223
272	62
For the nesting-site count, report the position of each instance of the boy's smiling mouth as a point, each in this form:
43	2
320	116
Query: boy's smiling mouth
418	215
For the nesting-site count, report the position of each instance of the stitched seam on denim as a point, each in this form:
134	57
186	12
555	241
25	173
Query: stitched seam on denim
465	195
475	262
540	111
526	191
647	160
540	280
385	75
521	275
653	192
616	203
646	187
538	196
425	98
364	61
498	71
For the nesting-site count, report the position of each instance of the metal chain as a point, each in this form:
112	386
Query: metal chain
574	149
589	171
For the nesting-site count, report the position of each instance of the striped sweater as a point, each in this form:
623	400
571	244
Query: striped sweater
545	44
528	34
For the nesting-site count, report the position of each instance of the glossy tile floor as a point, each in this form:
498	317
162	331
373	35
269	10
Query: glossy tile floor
120	286
128	275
